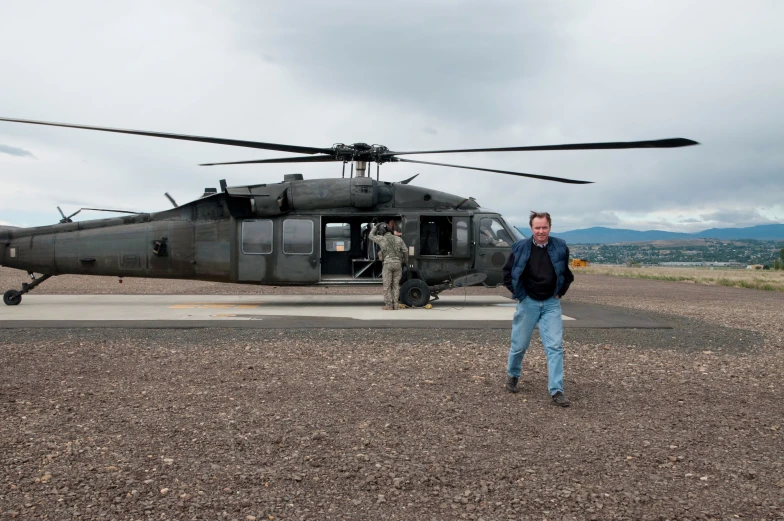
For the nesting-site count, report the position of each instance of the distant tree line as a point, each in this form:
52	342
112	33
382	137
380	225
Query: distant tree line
779	264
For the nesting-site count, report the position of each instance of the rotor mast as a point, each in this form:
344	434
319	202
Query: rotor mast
361	167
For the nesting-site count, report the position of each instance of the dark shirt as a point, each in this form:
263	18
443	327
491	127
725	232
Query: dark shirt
539	275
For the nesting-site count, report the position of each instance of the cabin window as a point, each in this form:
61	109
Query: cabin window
337	237
444	235
298	236
257	237
461	236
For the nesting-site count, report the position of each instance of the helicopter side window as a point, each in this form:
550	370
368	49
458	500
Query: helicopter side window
298	236
257	237
444	235
337	237
461	236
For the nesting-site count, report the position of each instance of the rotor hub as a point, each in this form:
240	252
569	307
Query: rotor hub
361	152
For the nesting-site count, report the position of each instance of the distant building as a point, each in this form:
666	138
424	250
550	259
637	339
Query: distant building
755	267
731	264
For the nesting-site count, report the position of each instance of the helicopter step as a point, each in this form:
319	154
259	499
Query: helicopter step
13	297
339	280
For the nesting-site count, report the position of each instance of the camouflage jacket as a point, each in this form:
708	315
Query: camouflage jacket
393	249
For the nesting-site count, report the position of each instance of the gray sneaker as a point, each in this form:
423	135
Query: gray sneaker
511	384
560	399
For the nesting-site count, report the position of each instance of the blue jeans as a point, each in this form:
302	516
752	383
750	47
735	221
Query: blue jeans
547	313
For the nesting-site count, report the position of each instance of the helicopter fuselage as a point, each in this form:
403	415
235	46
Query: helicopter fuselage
298	232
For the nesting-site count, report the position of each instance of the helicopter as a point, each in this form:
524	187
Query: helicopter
294	232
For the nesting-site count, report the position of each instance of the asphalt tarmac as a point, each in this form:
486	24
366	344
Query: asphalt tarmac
290	311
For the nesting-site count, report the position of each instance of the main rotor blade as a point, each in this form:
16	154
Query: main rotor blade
661	143
105	210
183	137
300	159
535	176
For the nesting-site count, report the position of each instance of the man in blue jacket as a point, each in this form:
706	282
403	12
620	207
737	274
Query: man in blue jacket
538	275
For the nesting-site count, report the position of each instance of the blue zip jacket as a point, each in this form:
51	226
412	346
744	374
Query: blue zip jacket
521	252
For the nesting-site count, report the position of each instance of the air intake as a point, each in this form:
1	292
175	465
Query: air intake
293	177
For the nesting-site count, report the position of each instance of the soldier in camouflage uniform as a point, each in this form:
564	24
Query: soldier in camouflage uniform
394	253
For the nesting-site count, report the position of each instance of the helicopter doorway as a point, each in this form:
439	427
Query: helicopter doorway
348	256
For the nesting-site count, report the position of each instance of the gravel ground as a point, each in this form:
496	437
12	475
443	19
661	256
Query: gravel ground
681	423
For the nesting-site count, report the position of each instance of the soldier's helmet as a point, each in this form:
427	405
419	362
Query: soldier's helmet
382	229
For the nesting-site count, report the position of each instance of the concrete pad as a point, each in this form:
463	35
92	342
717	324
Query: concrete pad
282	311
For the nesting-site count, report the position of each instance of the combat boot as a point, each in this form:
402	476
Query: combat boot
511	384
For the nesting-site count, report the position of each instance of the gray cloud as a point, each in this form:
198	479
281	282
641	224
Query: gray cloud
410	76
14	151
743	217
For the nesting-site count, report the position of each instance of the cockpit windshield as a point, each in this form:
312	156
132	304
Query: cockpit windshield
518	236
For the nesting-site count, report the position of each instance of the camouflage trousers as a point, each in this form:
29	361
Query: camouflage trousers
391	274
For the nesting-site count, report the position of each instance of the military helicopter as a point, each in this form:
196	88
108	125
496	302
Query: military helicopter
295	232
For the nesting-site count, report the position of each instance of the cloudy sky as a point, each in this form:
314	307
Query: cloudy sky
409	75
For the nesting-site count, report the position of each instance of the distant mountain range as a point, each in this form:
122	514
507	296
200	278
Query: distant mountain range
602	235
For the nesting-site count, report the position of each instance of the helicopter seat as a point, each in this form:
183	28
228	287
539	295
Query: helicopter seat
429	237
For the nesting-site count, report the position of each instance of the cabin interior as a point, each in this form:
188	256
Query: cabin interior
348	254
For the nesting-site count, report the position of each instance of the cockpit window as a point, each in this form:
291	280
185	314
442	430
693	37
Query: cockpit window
492	233
516	234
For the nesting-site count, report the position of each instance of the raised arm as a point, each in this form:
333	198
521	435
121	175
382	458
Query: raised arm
374	236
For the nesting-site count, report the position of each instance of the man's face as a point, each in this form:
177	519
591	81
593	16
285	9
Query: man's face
540	229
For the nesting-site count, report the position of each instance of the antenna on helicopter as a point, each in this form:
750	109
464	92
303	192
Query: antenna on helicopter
171	199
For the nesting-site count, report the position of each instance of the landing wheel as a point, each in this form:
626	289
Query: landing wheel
414	293
12	298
